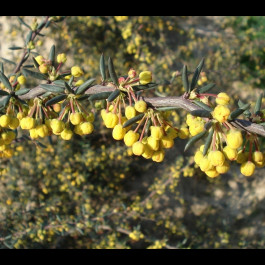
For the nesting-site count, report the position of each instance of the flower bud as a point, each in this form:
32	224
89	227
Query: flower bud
130	112
21	79
157	132
217	158
132	73
158	156
130	138
87	127
140	106
61	58
247	168
222	99
118	132
138	148
234	139
76	118
221	113
66	134
145	77
76	71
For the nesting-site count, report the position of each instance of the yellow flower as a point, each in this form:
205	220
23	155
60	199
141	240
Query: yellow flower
44	68
242	157
86	127
111	120
257	156
217	158
5	120
57	126
148	152
140	106
21	79
76	118
130	112
130	138
234	139
196	127
153	143
197	157
138	148
42	130
247	168
79	82
66	134
222	99
166	142
183	133
118	132
27	123
205	164
158	156
61	58
221	113
212	173
157	132
39	59
76	71
223	168
230	154
145	77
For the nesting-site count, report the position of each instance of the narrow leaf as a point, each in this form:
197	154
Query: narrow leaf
36	75
258	104
52	54
238	112
82	88
113	95
208	142
196	75
133	120
206	88
112	72
5	101
70	82
15	48
8	61
167	108
68	87
145	87
59	83
23	22
52	88
6	82
36	64
102	67
185	79
28	38
100	96
201	113
55	100
3	93
2	69
194	139
202	105
21	92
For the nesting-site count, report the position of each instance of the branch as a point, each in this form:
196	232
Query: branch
180	102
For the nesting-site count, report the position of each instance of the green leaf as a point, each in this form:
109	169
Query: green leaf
133	120
112	72
40	144
55	100
28	38
15	48
208	142
36	64
48	24
6	82
246	113
185	79
82	88
59	83
47	94
149	123
206	88
8	61
196	75
202	105
70	82
36	75
100	96
23	22
208	125
145	87
52	88
167	108
5	101
233	115
52	54
194	139
68	87
41	25
2	69
22	91
29	66
201	113
113	95
102	67
258	104
83	97
3	93
61	76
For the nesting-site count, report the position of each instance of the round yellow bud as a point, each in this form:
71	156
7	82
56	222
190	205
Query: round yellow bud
20	115
86	127
257	156
212	173
217	158
33	133
14	123
153	143
79	82
166	142
76	118
171	133
66	134
8	136
242	157
157	132
42	130
148	152
43	68
230	154
78	130
222	99
130	112
76	71
111	120
145	77
130	138
234	139
140	106
158	156
224	168
118	132
21	79
221	113
39	59
247	168
138	148
205	164
89	116
57	126
57	107
5	120
198	157
27	123
196	127
61	58
183	133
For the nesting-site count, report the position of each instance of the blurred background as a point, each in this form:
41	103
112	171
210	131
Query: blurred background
91	192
